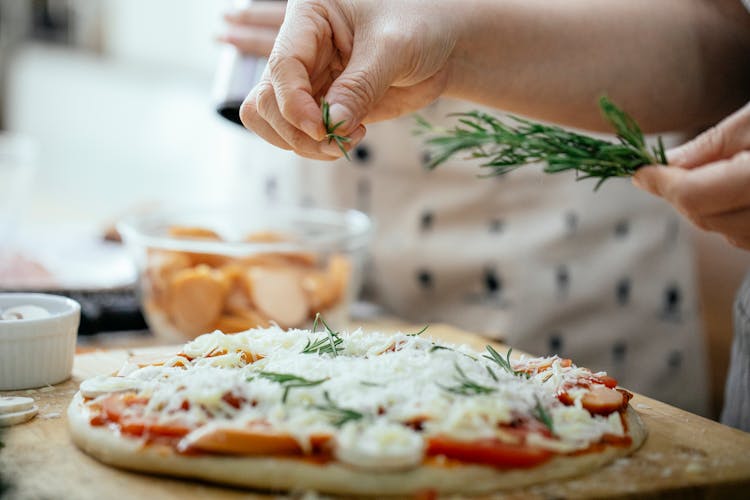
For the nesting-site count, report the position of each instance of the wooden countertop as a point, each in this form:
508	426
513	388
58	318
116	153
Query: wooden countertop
684	454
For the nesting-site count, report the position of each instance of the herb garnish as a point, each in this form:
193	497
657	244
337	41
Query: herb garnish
370	384
331	134
541	414
420	332
510	146
339	416
466	386
290	381
437	347
503	363
328	344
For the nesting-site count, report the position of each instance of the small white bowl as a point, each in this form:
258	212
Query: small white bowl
37	352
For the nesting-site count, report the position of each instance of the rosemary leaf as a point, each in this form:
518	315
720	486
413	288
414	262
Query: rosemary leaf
541	414
436	347
503	363
505	147
331	128
330	343
420	332
466	386
439	347
290	381
333	337
339	416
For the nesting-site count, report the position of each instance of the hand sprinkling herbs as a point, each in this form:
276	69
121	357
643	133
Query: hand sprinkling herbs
331	128
506	147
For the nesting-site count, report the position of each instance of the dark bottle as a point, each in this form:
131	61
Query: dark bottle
235	76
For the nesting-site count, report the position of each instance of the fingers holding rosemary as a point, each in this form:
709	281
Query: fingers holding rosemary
715	197
370	60
710	180
261	113
284	107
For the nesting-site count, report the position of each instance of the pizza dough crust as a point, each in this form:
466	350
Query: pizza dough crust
286	474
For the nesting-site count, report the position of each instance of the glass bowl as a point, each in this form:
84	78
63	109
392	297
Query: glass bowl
239	267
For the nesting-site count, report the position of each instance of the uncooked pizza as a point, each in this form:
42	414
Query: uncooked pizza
354	413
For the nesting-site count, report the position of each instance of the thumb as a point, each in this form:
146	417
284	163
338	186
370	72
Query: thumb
722	141
361	85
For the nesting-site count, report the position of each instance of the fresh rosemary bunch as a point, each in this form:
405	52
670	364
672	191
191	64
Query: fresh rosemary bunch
509	146
331	128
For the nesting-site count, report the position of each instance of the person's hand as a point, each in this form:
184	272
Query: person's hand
253	29
710	182
370	59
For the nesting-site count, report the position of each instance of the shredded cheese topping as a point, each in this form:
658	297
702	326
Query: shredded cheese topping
379	396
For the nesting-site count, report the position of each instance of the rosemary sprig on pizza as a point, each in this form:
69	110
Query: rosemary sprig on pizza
354	413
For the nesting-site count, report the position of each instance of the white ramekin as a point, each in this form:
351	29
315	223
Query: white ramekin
38	352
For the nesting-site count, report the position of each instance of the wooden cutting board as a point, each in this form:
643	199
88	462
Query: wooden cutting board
684	455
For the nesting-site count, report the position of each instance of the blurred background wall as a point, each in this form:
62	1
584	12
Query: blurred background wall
117	96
